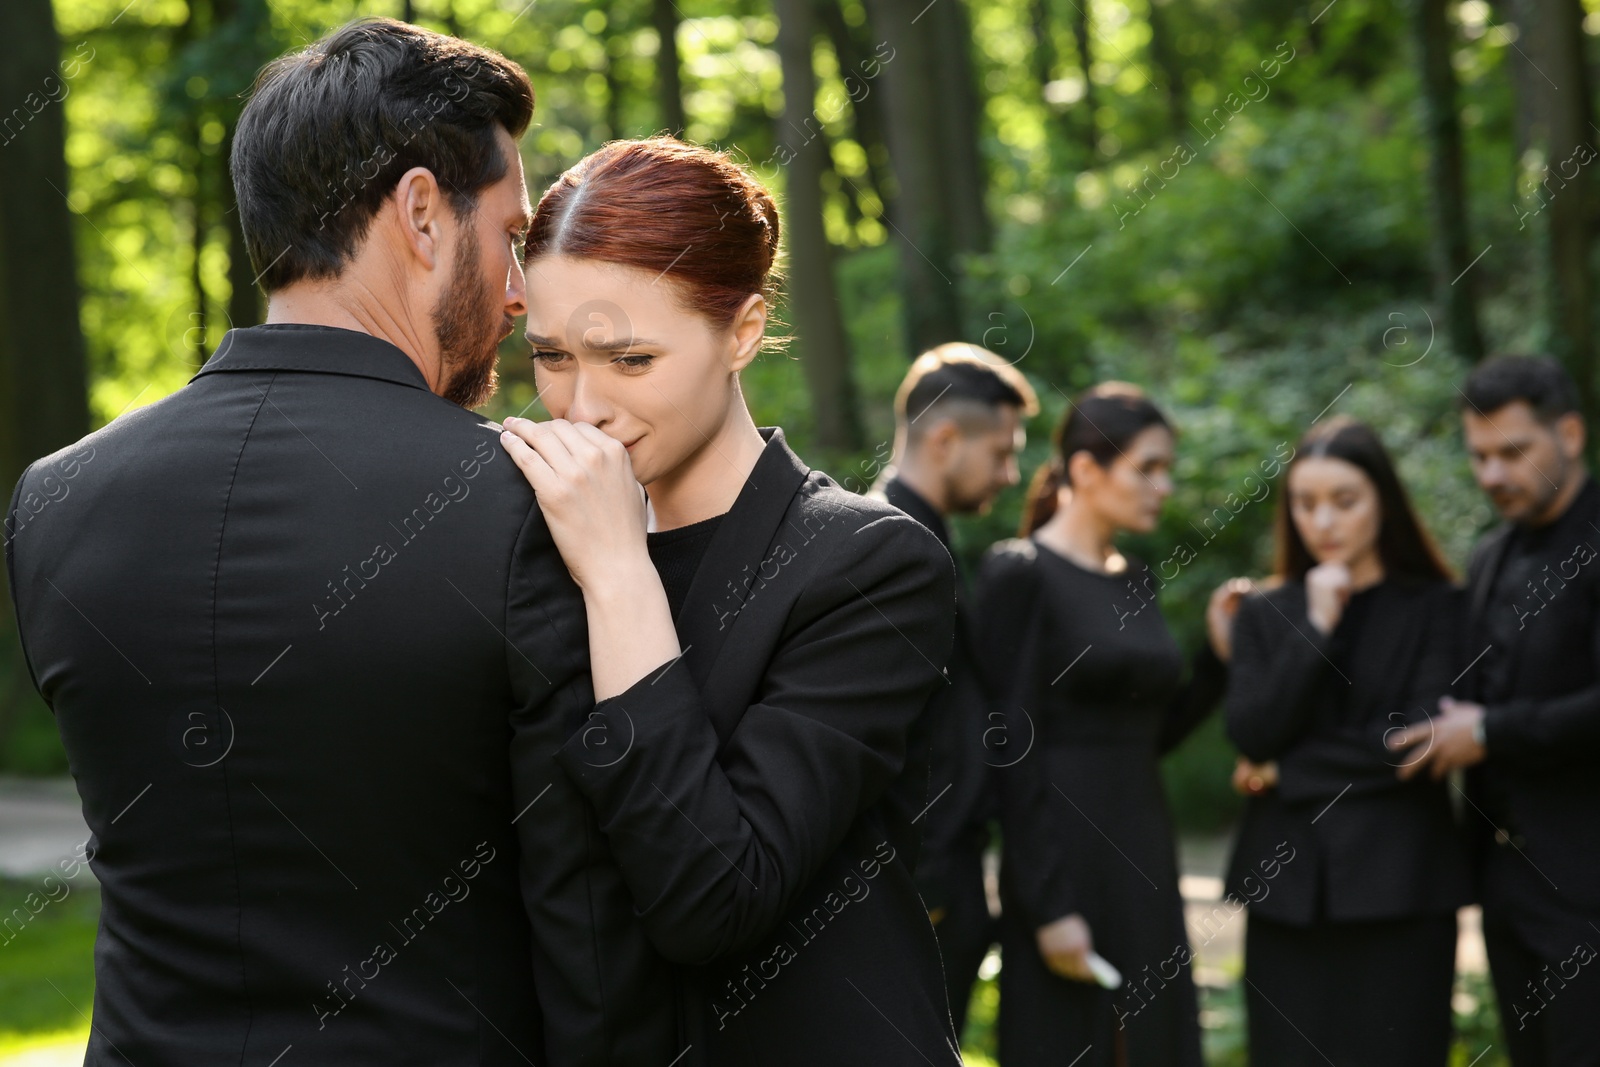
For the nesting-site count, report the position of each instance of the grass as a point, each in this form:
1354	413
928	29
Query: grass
46	971
47	974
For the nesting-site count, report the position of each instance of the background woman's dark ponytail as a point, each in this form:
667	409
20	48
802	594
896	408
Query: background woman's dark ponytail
1103	422
1043	487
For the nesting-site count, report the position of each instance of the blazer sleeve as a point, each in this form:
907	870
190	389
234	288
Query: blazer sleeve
604	993
1277	664
717	841
1327	764
11	529
1208	680
1533	733
1012	627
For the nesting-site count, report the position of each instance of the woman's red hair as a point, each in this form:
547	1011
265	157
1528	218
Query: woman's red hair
673	209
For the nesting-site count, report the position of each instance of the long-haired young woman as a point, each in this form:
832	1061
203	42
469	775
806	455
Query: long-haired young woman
1092	693
1351	874
762	641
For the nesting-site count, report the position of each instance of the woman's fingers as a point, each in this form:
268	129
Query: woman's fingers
533	466
604	444
573	450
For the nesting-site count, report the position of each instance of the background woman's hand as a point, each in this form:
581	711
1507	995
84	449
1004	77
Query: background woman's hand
593	504
1220	612
1253	779
1065	945
1327	592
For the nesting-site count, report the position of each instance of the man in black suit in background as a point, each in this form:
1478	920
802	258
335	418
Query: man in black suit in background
307	638
959	418
1530	732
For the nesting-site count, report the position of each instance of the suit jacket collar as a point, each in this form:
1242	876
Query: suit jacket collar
1577	522
913	503
737	551
315	349
916	505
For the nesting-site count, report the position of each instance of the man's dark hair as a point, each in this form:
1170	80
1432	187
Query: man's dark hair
1539	381
330	129
971	381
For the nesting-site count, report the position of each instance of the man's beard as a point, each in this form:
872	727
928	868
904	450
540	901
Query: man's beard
469	324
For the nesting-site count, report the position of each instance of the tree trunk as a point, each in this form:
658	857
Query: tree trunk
669	91
246	25
43	372
1165	57
866	102
1044	46
813	300
965	183
1552	30
1080	33
1453	285
922	232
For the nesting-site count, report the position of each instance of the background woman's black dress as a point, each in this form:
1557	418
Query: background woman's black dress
1352	876
1091	677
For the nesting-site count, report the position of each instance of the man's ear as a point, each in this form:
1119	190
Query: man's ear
749	327
419	207
942	439
1572	434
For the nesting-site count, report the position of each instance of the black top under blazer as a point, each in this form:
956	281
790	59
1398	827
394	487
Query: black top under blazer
761	791
1341	837
311	650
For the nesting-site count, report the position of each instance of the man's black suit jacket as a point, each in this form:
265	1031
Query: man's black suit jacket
1537	790
960	782
311	650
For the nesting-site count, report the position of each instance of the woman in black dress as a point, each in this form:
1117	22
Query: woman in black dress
1092	693
762	641
1352	876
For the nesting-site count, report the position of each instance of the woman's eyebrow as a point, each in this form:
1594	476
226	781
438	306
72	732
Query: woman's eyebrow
618	345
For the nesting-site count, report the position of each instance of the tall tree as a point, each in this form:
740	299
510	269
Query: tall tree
869	121
922	229
43	372
1081	34
1553	36
813	300
669	90
1164	55
1453	286
242	29
965	182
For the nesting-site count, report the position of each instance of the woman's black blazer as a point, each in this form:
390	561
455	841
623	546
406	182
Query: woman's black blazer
761	793
1340	822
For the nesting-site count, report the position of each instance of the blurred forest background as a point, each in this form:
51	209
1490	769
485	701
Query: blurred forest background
1261	210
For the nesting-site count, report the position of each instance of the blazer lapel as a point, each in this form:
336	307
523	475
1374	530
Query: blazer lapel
735	555
1488	574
